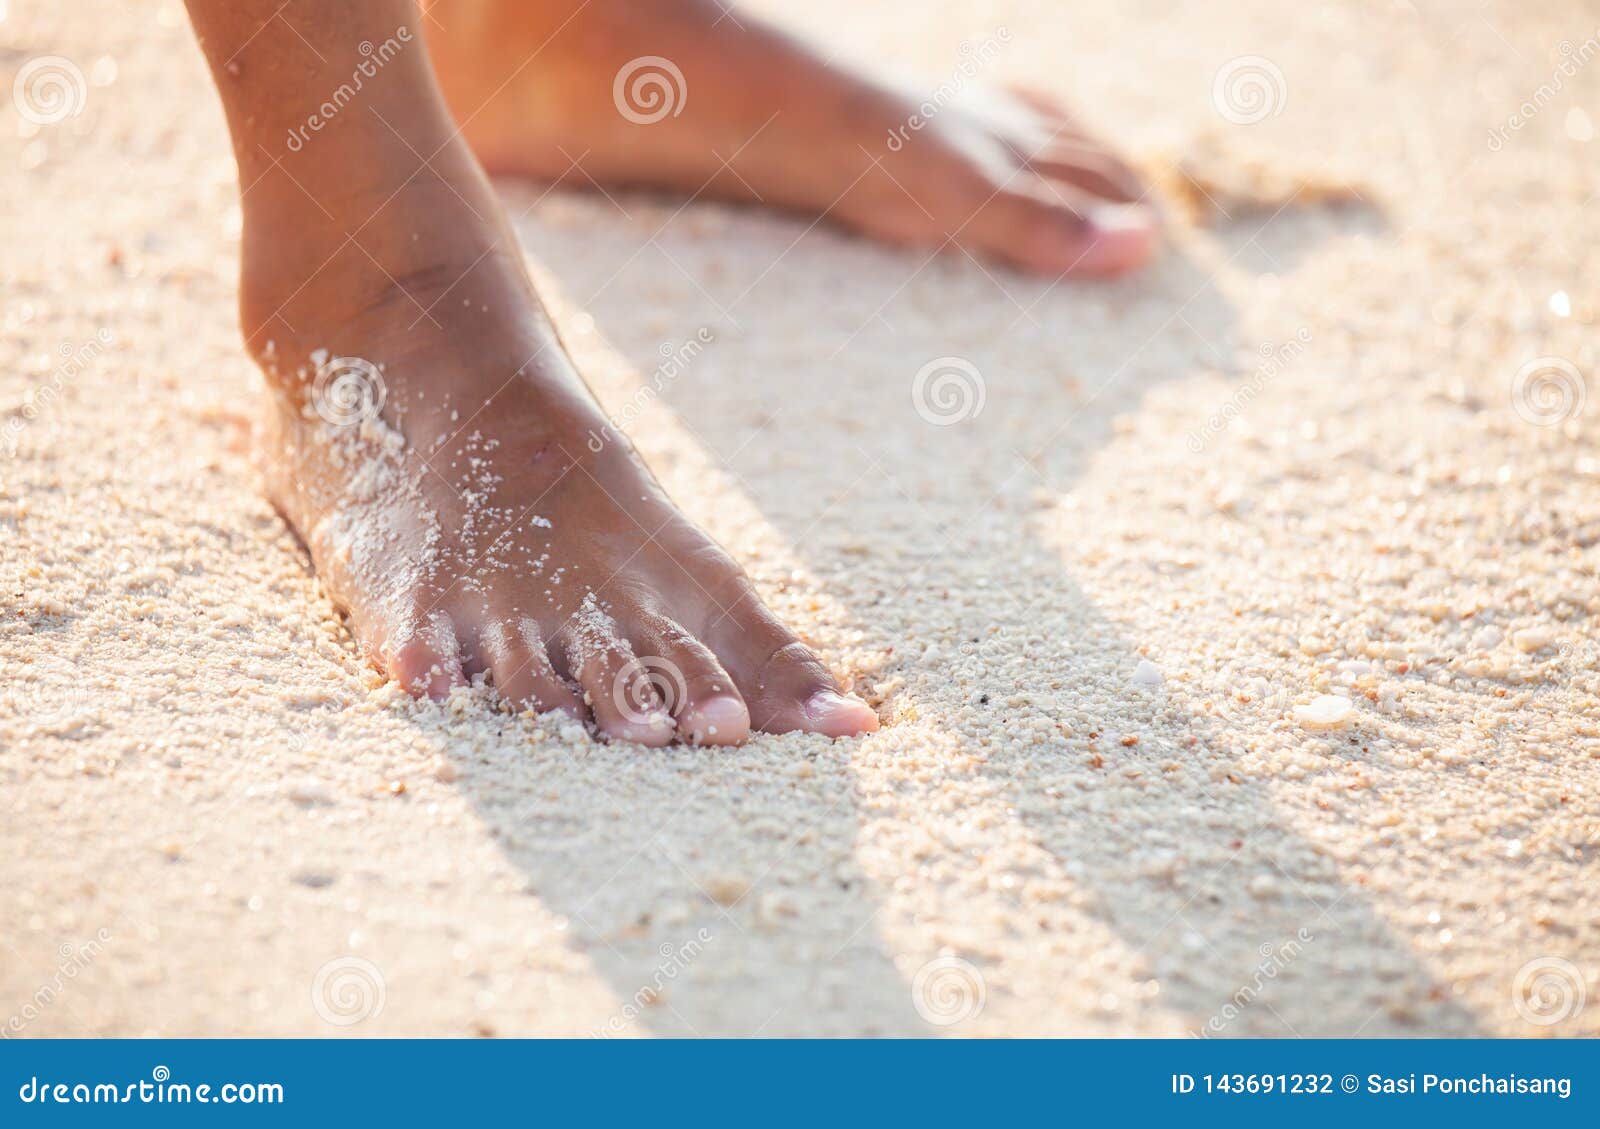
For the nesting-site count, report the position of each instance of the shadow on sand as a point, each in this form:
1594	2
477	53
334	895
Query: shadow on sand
755	899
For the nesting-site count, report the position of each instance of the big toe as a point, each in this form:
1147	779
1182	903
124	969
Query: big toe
786	686
1047	232
833	714
1121	238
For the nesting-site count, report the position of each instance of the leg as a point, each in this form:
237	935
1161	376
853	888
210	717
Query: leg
693	97
427	438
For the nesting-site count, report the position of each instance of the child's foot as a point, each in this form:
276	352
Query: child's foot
684	95
430	442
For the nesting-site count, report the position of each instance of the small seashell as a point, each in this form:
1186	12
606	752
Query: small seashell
1325	711
1147	674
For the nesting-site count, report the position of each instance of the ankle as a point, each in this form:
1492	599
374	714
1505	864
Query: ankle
401	234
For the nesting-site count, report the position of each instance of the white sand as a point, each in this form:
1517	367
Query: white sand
207	797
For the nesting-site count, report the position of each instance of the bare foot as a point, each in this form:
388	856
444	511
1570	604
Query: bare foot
684	95
428	442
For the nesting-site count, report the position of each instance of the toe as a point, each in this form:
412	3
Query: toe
1053	142
784	684
720	719
522	671
833	714
1086	166
698	691
428	660
1050	109
622	690
1055	231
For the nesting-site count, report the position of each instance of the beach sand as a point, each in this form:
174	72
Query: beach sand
1101	570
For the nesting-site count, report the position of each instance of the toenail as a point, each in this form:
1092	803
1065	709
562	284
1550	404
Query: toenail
703	722
1117	219
645	729
839	715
